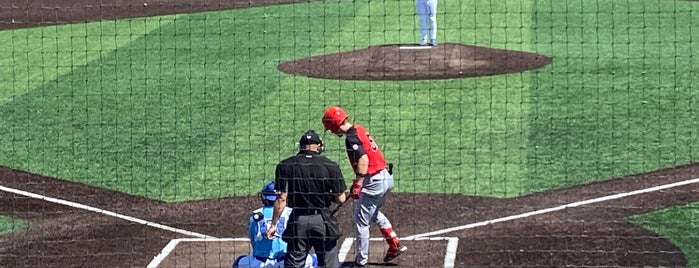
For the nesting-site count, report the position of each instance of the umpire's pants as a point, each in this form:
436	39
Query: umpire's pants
305	232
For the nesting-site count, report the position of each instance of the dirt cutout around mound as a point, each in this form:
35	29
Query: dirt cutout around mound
382	62
411	62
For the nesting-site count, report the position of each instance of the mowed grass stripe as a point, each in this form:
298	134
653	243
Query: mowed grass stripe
453	136
136	120
618	98
32	57
268	127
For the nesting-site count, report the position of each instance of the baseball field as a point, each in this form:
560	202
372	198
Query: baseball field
538	133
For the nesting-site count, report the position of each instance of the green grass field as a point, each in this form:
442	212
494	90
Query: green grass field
192	106
679	224
8	225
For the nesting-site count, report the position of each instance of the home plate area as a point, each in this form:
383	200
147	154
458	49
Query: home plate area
220	252
422	252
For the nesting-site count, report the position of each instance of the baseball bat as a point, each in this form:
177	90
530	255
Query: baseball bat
340	205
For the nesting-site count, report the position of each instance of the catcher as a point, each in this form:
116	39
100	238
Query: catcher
268	253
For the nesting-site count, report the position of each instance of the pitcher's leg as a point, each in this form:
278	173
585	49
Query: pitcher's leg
423	14
433	19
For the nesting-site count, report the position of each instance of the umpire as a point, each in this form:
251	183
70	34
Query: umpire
309	183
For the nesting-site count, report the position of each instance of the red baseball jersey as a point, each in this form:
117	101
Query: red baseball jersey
359	142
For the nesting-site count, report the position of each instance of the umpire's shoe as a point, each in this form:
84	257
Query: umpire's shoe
393	253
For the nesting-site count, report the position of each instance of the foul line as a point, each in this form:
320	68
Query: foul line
547	210
173	244
102	211
452	243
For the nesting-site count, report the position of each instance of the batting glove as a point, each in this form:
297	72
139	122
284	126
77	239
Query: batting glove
356	189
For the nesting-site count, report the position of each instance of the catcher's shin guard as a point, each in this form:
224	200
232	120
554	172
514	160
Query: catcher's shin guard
237	262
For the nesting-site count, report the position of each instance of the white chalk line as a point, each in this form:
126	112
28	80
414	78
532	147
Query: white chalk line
102	211
174	242
345	248
415	47
452	243
557	208
449	255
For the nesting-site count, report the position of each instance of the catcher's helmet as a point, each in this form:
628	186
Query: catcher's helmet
333	118
268	193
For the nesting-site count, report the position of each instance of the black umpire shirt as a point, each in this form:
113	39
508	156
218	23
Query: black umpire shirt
311	181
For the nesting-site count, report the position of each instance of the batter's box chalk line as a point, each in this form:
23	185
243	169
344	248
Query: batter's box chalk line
449	256
174	242
451	244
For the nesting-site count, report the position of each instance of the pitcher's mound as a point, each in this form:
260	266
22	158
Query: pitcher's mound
408	62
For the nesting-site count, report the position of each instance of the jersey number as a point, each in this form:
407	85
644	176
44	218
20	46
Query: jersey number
372	143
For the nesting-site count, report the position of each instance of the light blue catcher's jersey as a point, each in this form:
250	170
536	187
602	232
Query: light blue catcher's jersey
261	245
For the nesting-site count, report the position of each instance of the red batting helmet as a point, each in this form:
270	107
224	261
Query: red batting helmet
333	118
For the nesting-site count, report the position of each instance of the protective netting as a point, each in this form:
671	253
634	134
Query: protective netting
522	132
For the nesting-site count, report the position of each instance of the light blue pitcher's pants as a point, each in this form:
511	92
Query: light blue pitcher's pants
427	12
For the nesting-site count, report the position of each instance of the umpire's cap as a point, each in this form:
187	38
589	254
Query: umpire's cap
310	137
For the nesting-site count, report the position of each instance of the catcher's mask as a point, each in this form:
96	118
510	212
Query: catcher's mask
268	195
311	137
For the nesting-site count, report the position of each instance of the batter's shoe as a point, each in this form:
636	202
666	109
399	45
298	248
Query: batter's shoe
423	43
433	42
393	253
